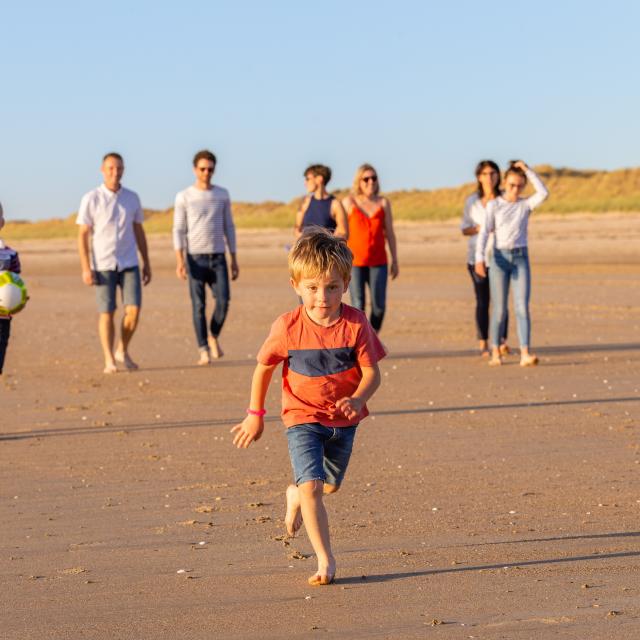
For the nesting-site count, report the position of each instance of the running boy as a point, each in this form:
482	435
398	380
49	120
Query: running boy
329	353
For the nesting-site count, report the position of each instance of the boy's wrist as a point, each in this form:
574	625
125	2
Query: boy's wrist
256	412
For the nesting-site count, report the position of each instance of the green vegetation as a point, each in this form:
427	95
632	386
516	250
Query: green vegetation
571	191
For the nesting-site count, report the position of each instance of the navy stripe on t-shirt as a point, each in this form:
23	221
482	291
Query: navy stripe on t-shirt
321	362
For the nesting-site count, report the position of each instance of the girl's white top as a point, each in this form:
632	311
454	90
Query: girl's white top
510	220
474	215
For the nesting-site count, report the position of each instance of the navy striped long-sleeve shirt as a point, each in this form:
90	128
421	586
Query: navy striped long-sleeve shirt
202	221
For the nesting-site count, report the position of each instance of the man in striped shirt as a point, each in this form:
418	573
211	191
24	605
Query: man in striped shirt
202	225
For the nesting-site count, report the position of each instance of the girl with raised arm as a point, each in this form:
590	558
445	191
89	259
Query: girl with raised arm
508	218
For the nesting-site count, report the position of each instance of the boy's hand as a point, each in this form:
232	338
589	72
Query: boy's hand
247	431
350	407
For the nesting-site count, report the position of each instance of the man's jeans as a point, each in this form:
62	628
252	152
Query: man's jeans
208	269
510	265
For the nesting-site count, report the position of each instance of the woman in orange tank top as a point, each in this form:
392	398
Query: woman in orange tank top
370	230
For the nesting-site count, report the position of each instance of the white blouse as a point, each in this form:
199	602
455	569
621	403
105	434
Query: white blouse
473	216
510	220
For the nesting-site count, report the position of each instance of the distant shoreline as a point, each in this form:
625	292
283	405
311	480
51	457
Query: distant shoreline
572	192
32	231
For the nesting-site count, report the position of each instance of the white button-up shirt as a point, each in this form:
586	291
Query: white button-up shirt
111	216
510	220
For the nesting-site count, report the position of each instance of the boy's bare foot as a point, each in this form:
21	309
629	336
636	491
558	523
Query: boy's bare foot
125	359
317	580
215	348
293	517
324	575
205	359
495	361
504	349
110	367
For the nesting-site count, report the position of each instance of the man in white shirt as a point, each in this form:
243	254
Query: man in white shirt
110	235
202	226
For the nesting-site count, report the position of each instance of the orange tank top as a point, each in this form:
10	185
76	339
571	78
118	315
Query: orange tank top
366	237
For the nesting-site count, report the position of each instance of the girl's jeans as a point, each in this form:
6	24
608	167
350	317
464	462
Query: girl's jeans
510	266
483	298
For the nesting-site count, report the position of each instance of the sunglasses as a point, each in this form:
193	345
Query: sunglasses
370	179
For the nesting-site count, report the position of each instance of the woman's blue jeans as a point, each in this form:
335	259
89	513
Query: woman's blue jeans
208	269
510	266
376	278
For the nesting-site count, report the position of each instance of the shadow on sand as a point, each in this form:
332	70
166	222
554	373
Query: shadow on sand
189	424
388	577
551	350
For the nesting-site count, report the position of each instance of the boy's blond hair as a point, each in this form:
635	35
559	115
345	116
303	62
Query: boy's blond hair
316	253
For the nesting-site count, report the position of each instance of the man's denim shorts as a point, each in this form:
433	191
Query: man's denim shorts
320	453
107	282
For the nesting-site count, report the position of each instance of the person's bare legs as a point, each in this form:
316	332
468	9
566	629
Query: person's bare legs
293	516
106	332
316	523
484	348
127	329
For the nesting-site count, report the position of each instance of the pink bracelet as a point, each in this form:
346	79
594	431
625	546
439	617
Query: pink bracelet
259	413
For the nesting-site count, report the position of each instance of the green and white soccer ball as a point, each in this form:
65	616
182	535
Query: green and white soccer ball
13	293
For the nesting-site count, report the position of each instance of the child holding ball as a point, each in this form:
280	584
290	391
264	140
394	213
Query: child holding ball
9	261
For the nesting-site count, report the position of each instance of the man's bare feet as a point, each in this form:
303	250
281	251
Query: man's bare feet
324	575
205	359
504	349
215	348
293	517
110	367
125	359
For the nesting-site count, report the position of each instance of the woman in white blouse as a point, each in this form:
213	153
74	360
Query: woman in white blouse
508	218
475	211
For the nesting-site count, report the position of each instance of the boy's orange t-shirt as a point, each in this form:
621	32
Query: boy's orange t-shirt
320	364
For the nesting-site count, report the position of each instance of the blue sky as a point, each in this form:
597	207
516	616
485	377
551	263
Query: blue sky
420	89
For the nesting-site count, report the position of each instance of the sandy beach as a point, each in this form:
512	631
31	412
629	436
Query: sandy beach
480	502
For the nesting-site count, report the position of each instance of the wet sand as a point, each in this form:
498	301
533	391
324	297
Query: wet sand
480	503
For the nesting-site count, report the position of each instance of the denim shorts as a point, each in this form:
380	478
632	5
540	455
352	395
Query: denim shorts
320	453
107	282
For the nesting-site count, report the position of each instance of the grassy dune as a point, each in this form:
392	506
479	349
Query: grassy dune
571	191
